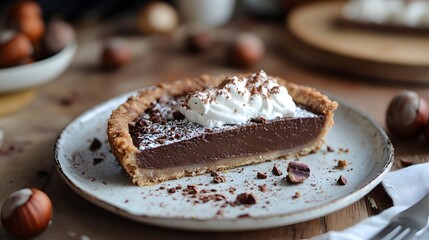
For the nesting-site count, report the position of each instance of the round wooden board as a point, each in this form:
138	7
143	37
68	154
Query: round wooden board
391	56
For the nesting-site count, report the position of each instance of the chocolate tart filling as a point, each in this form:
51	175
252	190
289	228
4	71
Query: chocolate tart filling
165	139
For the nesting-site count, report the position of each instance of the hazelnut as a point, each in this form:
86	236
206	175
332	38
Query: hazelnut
26	213
24	8
58	35
246	50
33	27
407	115
157	17
197	42
26	17
15	48
115	54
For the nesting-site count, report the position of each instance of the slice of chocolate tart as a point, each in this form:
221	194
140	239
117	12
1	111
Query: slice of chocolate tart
211	123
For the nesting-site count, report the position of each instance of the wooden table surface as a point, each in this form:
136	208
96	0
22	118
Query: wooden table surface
27	159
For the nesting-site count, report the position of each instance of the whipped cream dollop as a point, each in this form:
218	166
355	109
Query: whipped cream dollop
408	13
237	100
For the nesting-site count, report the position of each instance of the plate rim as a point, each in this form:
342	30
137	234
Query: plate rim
339	203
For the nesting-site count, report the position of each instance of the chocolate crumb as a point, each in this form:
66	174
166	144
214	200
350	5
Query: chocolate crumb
95	145
179	187
260	175
162	188
192	189
70	99
263	187
276	171
96	161
232	190
342	180
297	195
246	198
171	190
178	115
342	163
219	179
246	215
259	120
330	149
42	173
405	162
297	172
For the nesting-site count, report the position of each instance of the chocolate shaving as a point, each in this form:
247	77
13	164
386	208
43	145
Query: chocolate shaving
276	171
96	161
219	179
192	189
246	198
342	180
297	172
171	190
232	190
95	145
297	195
263	187
260	175
70	99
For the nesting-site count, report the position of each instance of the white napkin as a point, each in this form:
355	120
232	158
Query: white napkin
405	187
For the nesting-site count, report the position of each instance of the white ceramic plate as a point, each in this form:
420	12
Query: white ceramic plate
37	73
96	176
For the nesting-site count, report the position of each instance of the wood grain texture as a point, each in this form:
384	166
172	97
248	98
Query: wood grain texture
33	130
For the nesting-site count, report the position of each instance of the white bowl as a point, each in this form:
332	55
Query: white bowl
37	73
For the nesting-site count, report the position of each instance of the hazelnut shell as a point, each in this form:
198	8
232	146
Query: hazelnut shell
407	115
15	48
26	213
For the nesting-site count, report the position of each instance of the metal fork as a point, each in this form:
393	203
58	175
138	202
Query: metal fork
406	223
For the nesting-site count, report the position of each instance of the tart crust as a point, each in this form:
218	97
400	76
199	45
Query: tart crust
126	152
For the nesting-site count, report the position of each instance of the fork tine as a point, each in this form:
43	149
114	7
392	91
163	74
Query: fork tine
410	233
388	232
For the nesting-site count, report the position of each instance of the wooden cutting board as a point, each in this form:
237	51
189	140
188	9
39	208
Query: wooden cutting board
380	54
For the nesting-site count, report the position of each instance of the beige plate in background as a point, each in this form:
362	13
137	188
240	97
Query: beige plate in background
388	55
314	24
